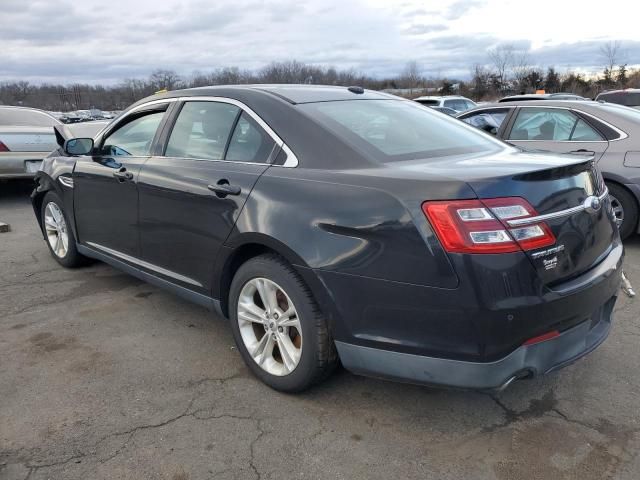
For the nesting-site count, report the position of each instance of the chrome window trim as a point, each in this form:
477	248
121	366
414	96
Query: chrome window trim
550	216
292	159
622	134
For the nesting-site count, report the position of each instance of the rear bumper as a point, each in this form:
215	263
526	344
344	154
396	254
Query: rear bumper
525	361
475	338
15	165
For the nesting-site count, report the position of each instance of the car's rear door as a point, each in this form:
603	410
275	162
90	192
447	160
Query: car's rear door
555	129
192	192
106	184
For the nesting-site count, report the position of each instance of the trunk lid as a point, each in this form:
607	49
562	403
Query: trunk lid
550	183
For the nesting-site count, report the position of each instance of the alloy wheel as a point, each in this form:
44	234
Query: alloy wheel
270	326
56	230
618	210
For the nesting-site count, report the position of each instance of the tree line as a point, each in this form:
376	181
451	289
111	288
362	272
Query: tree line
506	71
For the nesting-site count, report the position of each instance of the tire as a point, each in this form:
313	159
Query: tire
307	328
625	208
65	254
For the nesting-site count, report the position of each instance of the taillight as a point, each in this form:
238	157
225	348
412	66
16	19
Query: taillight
479	226
4	148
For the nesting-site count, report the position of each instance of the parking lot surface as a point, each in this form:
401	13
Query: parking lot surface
103	376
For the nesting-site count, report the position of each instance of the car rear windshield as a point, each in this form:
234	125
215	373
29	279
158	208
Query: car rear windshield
19	117
396	130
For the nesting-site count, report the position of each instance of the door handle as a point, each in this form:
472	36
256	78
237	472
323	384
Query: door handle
222	188
583	151
123	175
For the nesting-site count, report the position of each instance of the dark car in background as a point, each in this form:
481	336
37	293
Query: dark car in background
542	96
629	97
330	222
607	132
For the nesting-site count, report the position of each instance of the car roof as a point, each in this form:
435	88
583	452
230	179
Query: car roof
537	96
538	103
292	93
626	90
439	97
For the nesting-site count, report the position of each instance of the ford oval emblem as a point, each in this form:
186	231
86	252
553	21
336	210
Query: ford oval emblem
592	204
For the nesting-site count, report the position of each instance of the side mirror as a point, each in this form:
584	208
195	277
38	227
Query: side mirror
78	146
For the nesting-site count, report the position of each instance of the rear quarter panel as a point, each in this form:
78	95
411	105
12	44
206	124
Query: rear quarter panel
351	223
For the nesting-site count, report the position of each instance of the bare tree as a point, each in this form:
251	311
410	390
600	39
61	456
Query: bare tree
610	53
165	79
411	76
502	58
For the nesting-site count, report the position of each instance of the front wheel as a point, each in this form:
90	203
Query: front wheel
57	231
277	326
624	208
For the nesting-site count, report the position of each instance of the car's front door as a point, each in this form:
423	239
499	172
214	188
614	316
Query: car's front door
192	194
105	185
557	130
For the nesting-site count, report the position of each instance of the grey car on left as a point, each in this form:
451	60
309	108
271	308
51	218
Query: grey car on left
27	136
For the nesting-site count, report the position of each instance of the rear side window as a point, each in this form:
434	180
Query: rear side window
487	120
202	130
551	124
24	117
456	104
249	142
134	138
396	130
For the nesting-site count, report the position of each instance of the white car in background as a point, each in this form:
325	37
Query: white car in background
27	136
454	102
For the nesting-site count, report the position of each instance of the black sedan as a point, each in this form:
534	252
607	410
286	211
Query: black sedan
337	223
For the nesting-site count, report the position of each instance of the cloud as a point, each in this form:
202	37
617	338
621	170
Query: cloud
421	29
460	8
104	42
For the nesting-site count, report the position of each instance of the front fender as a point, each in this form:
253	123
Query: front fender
48	179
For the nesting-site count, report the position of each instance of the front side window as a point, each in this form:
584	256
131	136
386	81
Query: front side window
202	130
396	130
134	138
547	124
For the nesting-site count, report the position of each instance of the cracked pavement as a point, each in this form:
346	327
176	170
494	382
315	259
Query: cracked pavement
105	377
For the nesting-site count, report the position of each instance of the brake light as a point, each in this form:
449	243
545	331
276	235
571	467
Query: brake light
542	338
4	148
479	226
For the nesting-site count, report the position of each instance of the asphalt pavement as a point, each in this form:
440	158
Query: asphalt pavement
103	376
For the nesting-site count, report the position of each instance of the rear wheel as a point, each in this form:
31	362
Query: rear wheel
277	326
624	208
57	230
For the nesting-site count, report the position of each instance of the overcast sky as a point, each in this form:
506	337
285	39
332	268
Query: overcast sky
104	41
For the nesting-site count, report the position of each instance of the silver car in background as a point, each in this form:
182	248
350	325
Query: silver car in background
27	136
606	131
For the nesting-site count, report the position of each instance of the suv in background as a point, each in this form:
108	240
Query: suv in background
454	102
629	97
